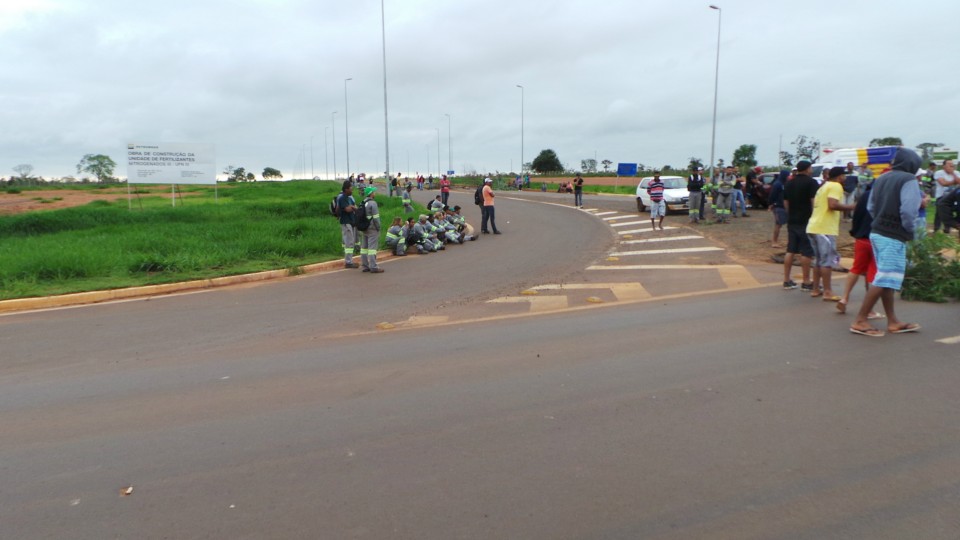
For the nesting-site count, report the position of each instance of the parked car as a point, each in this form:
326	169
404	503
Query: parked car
675	193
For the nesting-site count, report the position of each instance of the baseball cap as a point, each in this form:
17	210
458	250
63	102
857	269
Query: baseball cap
368	190
699	168
803	165
757	169
487	181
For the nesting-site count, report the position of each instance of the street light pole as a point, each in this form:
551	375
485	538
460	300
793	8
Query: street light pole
521	128
346	118
311	157
386	123
333	120
716	83
449	139
438	150
326	152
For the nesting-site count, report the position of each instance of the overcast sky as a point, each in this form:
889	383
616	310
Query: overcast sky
628	81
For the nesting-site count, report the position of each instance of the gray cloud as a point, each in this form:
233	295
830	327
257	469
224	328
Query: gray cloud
631	81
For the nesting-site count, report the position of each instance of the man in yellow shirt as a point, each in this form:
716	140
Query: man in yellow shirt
823	229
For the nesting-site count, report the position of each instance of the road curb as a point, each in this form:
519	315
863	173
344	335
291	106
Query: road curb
95	297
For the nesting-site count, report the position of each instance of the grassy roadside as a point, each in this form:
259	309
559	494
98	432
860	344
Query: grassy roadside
103	245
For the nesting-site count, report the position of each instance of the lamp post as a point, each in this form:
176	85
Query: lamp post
333	120
346	119
438	150
521	129
716	81
386	123
449	139
326	153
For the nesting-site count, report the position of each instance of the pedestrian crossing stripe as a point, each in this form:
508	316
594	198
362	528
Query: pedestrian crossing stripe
604	213
627	223
622	291
733	275
614	218
950	340
665	251
668	239
638	231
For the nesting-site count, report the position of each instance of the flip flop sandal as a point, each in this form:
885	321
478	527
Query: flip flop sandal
905	329
842	307
874	316
816	294
833	298
869	332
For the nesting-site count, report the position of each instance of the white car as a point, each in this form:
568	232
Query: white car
675	193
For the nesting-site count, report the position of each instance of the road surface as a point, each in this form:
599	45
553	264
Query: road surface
726	409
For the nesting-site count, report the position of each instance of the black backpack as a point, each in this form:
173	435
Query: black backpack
360	216
334	207
478	196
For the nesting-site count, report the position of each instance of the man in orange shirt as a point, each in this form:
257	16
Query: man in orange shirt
487	209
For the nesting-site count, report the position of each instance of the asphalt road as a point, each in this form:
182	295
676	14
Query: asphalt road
236	413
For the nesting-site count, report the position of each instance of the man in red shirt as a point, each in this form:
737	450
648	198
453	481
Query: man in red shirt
444	189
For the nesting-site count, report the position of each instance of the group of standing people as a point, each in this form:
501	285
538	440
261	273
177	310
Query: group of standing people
885	218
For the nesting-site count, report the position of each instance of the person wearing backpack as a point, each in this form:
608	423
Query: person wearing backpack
346	207
368	222
487	210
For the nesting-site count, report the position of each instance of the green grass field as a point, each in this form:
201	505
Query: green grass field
104	245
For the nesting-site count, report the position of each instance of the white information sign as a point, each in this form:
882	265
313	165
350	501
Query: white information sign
171	163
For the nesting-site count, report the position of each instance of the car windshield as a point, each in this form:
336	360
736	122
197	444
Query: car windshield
674	183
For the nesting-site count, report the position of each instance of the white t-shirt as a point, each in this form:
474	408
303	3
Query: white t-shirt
940	190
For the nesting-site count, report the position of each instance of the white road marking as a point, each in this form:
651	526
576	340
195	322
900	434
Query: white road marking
950	340
612	218
668	239
638	231
665	267
623	291
665	251
604	213
537	303
627	223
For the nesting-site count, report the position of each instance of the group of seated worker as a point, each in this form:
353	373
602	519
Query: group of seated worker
429	233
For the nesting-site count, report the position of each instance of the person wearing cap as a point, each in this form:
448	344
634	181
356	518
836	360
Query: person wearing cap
725	188
695	188
798	196
369	242
823	229
346	206
488	210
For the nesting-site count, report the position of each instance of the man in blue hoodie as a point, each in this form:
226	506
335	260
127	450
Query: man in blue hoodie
894	203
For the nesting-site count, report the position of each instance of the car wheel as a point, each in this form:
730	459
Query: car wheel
640	206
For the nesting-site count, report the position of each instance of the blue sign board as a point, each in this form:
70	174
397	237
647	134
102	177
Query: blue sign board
449	173
626	169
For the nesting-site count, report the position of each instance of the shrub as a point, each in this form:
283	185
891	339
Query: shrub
931	276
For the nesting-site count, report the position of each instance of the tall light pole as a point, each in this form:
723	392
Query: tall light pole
333	131
449	139
521	128
326	153
311	157
346	118
386	123
438	150
716	83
